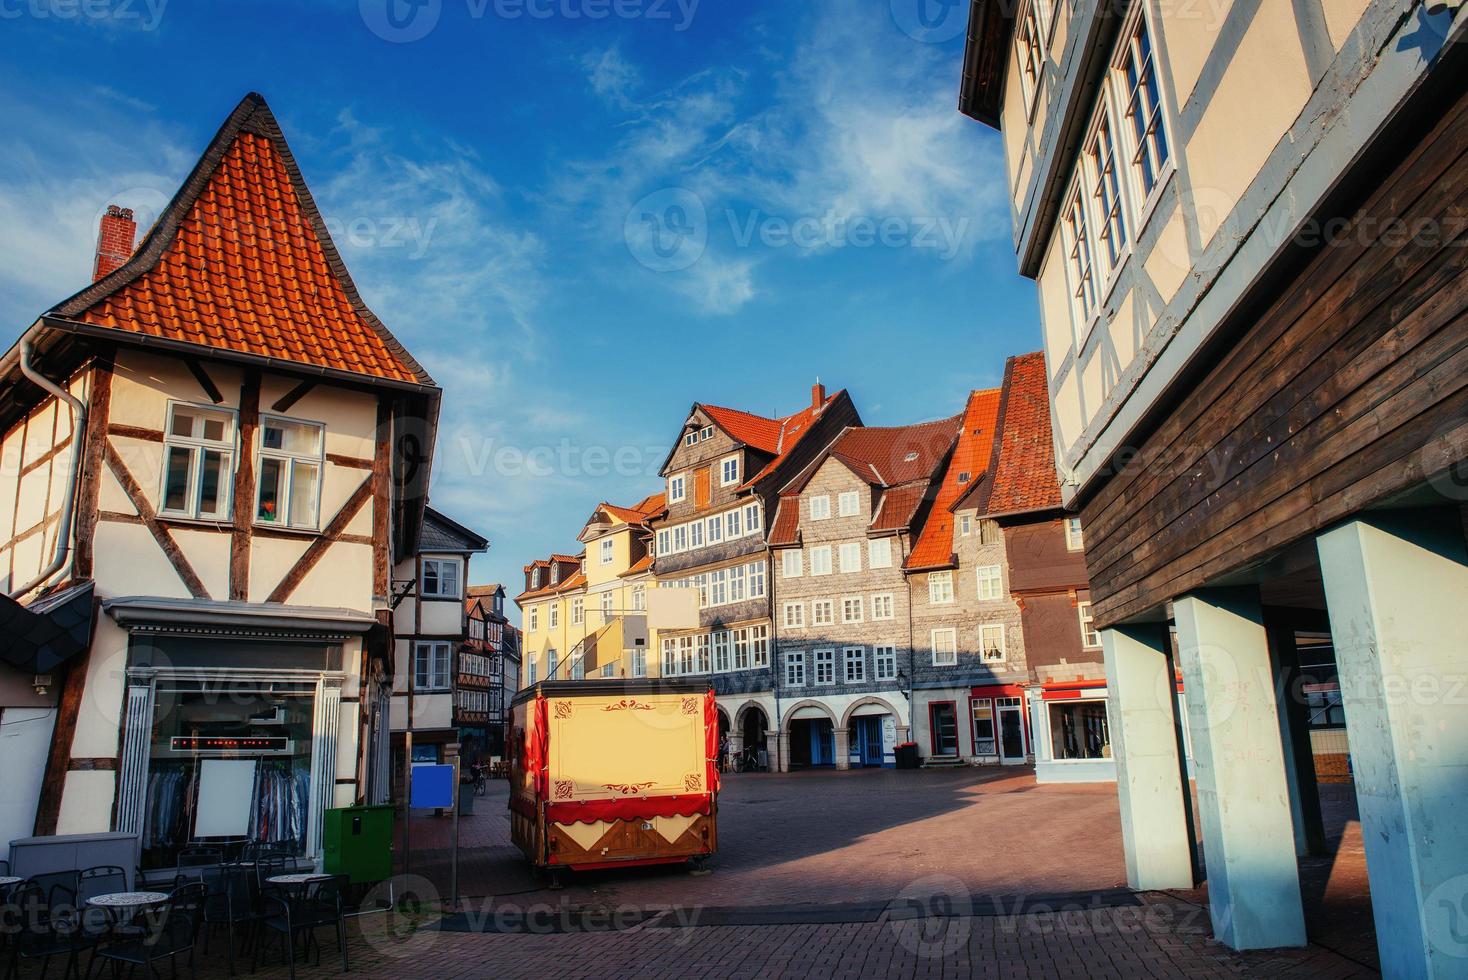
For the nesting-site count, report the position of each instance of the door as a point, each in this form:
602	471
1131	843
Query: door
944	718
1011	731
869	740
822	744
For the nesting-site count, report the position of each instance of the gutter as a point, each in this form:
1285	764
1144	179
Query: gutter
78	440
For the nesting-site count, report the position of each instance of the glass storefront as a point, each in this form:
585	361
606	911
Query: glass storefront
1078	730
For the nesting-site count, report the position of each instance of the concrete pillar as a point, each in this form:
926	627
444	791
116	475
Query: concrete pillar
843	748
1294	733
1151	784
775	747
1238	762
1397	588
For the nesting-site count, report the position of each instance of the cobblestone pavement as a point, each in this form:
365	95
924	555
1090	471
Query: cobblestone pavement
931	874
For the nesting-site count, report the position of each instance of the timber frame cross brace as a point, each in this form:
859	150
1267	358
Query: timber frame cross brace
410	587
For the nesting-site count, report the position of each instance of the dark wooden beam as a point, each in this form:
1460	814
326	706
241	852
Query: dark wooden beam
58	757
207	383
284	402
350	462
382	501
319	547
244	488
135	432
170	547
89	490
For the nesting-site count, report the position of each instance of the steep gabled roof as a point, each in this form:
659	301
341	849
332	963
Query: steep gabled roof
886	456
241	261
442	533
1025	477
934	548
793	431
776	437
639	513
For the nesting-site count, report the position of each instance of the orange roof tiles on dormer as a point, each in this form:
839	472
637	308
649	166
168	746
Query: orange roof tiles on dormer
934	548
241	261
1025	478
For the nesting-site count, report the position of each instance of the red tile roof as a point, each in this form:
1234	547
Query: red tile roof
640	512
640	565
777	437
898	505
785	528
1025	478
934	548
241	260
888	456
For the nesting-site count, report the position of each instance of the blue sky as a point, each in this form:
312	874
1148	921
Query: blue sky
580	215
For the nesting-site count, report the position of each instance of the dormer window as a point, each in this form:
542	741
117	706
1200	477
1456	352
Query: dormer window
535	578
555	574
964	477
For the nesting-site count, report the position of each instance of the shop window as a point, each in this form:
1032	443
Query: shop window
431	667
1078	730
441	578
252	745
198	454
289	491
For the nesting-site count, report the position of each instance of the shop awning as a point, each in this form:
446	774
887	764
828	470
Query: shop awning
38	638
151	611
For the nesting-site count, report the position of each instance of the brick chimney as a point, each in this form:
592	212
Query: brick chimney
817	395
114	240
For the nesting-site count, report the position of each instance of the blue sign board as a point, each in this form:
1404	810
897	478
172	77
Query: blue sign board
433	787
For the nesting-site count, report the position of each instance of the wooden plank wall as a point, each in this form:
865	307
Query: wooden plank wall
1333	399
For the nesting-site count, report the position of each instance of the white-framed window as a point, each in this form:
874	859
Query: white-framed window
608	605
823	612
1090	638
945	647
553	616
578	666
609	669
552	665
1029	43
707	432
714	526
440	578
820	560
1080	271
883	606
879	553
741	649
991	582
680	538
940	588
701	644
578	611
722	646
851	557
965	525
792	563
793	615
756	579
638	658
198	462
288	485
848	504
854	661
531	669
431	666
532	619
695	534
795	668
691	439
820	508
884	663
851	609
1104	186
825	666
753	518
1075	538
991	642
677	488
639	598
734	524
665	542
608	551
1140	98
535	578
759	645
729	471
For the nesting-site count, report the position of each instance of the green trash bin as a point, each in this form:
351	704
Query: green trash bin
357	842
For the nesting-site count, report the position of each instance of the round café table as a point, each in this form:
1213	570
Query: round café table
127	901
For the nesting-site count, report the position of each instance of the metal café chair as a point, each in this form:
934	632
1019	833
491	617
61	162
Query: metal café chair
168	931
300	912
199	857
43	922
229	901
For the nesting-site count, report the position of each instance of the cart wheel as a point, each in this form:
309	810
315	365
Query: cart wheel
699	867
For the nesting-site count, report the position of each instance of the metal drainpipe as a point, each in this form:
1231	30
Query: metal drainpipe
78	439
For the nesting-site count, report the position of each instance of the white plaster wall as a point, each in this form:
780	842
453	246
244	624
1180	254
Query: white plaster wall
25	738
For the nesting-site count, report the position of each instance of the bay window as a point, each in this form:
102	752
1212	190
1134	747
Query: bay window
440	579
